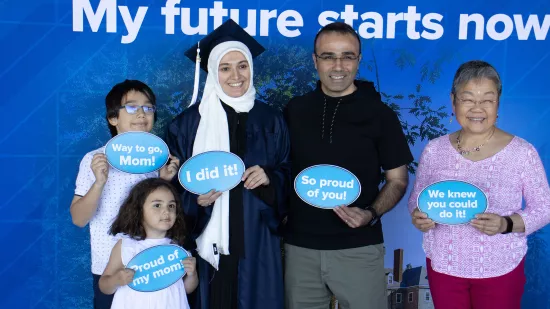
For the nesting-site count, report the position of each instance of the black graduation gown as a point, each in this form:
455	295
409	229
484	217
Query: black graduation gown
255	217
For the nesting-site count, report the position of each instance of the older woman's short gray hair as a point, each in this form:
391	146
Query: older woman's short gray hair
476	70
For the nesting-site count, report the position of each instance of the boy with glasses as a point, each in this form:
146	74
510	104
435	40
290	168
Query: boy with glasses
101	189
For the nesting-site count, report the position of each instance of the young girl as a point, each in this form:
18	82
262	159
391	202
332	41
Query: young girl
150	216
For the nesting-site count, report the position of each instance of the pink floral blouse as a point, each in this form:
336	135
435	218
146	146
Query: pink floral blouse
514	173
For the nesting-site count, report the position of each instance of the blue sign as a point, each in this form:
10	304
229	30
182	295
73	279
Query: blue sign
327	186
137	152
218	170
452	202
157	268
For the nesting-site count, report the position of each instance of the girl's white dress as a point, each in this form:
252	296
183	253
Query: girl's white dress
172	297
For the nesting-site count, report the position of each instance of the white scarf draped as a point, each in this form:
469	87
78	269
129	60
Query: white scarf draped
213	134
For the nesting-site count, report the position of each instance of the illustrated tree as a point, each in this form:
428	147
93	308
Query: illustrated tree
425	121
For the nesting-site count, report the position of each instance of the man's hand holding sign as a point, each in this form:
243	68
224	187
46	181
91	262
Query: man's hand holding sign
332	187
391	193
354	217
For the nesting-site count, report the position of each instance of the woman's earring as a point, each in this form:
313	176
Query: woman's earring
452	115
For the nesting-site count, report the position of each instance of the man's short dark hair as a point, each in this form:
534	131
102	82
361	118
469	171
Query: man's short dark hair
340	28
113	100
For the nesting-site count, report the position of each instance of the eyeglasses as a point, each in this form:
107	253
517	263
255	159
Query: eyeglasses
132	109
482	103
332	58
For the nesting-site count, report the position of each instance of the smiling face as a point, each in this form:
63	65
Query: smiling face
234	74
337	75
475	105
140	121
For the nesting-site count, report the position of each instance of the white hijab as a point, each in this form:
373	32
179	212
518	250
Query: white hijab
213	134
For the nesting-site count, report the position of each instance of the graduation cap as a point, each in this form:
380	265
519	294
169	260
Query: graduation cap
228	31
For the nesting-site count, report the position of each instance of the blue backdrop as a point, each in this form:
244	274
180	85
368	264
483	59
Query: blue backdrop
59	58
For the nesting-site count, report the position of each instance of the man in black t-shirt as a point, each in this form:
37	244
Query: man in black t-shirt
343	122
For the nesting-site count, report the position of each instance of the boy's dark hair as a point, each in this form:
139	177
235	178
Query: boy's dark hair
340	28
130	216
113	100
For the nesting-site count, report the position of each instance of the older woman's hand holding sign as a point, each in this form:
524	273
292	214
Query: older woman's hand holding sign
421	221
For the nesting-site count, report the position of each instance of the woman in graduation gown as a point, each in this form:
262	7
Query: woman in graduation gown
235	233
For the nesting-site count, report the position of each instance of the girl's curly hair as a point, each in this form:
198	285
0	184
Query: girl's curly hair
130	216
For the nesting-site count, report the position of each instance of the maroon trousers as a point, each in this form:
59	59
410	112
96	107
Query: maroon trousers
503	292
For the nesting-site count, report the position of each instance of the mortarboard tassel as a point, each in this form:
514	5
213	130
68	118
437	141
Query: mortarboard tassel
197	76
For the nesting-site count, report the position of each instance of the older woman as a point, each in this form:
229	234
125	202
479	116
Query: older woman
481	264
235	232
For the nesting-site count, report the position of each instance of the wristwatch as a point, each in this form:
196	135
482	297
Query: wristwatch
375	216
509	225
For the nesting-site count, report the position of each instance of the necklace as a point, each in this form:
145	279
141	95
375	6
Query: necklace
332	122
467	152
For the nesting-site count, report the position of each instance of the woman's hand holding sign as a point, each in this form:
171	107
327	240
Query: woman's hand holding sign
488	223
209	198
354	217
254	177
421	221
